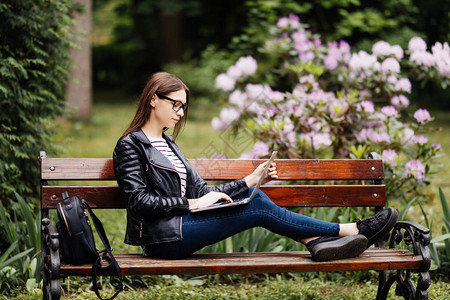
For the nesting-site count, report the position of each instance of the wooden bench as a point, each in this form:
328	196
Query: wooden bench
363	188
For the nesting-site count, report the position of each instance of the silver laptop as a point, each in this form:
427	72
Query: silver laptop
240	201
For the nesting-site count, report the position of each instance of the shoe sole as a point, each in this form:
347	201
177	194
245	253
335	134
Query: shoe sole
345	247
386	228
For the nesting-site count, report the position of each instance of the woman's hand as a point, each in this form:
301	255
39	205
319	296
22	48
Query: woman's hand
253	178
208	200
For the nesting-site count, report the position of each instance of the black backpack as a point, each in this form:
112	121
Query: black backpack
77	243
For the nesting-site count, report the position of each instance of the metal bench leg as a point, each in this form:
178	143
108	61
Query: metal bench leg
405	287
50	261
418	237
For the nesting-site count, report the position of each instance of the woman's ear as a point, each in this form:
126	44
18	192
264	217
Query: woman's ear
153	101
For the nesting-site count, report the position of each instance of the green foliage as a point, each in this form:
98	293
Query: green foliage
23	268
34	52
199	74
362	21
311	100
440	245
33	70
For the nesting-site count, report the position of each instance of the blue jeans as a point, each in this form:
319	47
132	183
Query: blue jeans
209	227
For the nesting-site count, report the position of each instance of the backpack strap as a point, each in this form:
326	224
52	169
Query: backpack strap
106	260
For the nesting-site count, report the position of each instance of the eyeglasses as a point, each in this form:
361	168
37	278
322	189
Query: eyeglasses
177	105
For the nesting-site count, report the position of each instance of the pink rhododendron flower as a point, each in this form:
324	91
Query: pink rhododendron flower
389	157
383	48
416	169
403	85
276	96
378	137
441	54
303	46
292	21
392	79
368	134
238	98
260	149
363	61
283	22
321	140
336	52
234	72
247	65
258	91
317	43
397	51
218	124
420	139
269	112
338	108
436	146
422	58
444	69
390	65
366	106
417	44
330	62
422	116
307	79
227	116
389	111
406	136
400	101
345	48
225	82
317	139
247	155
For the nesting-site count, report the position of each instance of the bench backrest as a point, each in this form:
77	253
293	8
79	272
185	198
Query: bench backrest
359	180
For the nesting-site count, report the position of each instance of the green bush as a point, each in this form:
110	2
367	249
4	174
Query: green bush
34	54
308	99
440	245
34	61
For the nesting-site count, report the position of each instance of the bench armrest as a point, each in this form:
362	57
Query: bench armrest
413	224
415	235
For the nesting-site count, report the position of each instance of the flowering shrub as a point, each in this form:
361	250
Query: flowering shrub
310	100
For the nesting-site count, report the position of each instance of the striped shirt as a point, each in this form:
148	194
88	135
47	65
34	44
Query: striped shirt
161	145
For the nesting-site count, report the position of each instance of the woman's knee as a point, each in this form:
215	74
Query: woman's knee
262	199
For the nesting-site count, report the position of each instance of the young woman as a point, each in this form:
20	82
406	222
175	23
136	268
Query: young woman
161	187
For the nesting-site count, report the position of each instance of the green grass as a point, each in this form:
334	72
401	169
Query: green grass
97	137
276	287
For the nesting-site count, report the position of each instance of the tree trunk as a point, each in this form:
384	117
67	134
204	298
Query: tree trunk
171	36
79	86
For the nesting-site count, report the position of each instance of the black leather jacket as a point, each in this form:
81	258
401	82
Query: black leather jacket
151	188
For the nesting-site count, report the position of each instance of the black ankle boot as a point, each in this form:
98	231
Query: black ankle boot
327	248
375	227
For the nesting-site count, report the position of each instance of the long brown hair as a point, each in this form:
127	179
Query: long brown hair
162	83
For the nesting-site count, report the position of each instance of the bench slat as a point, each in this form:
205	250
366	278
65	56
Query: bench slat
299	195
223	169
262	262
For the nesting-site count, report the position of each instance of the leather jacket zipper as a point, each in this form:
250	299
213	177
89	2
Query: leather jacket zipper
168	169
181	231
140	230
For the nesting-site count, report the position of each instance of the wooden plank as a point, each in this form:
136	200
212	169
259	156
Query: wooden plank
77	169
222	169
299	195
262	262
301	169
